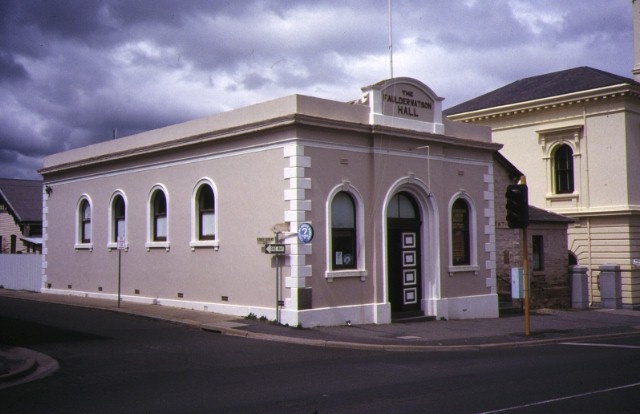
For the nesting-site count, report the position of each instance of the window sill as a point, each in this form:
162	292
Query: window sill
84	246
562	201
563	196
210	244
331	274
464	269
157	245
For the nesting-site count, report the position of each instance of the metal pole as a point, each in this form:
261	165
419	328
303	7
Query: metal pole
277	288
119	272
525	270
277	282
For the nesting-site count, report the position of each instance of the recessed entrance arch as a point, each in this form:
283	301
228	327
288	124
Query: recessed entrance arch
396	220
404	257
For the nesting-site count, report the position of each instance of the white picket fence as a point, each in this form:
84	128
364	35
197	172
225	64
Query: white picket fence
21	272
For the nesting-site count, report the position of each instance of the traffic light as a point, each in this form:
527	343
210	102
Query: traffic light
517	206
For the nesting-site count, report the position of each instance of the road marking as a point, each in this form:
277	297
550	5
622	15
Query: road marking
569	397
601	345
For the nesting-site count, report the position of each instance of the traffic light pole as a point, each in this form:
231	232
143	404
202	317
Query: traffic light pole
517	196
525	272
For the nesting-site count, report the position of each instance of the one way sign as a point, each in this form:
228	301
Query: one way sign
274	248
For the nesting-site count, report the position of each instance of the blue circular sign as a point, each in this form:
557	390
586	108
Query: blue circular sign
305	232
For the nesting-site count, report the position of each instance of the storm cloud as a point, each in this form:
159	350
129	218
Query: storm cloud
72	72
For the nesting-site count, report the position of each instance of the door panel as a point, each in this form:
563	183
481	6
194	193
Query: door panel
404	270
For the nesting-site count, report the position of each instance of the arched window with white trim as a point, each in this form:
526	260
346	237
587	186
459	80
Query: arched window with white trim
345	233
460	233
204	217
160	228
83	223
158	217
463	254
563	169
561	155
117	219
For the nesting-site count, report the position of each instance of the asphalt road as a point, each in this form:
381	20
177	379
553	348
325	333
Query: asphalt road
115	363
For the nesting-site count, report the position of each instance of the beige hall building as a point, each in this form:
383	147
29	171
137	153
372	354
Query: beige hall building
303	210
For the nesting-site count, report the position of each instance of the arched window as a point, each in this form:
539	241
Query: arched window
159	216
118	210
83	223
563	169
206	214
343	232
460	233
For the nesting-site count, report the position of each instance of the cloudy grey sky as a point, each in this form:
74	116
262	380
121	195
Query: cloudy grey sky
71	71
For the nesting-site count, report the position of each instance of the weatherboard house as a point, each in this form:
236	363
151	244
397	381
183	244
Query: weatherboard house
304	210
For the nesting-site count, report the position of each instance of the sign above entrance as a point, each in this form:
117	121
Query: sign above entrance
404	103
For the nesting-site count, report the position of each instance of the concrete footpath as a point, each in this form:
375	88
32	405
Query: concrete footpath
546	326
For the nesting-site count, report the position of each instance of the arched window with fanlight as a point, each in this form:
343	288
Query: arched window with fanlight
563	169
206	214
343	232
158	217
463	234
83	224
117	219
204	229
460	234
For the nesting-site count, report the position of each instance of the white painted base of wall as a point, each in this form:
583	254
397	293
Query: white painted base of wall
464	307
379	313
233	310
468	307
99	295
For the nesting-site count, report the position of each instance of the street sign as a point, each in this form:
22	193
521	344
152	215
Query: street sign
305	233
274	248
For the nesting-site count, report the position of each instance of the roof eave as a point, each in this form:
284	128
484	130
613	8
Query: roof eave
573	98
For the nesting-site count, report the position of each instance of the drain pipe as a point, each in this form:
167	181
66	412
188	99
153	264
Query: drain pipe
588	201
586	153
590	262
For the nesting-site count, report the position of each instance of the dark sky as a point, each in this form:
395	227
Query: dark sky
72	71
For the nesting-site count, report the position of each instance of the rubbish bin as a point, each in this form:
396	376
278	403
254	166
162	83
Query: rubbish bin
610	286
579	287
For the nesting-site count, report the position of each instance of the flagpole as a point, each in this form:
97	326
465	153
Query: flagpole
390	43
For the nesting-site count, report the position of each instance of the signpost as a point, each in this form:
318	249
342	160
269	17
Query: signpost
274	247
121	246
277	249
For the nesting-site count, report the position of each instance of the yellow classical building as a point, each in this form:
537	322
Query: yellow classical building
576	136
